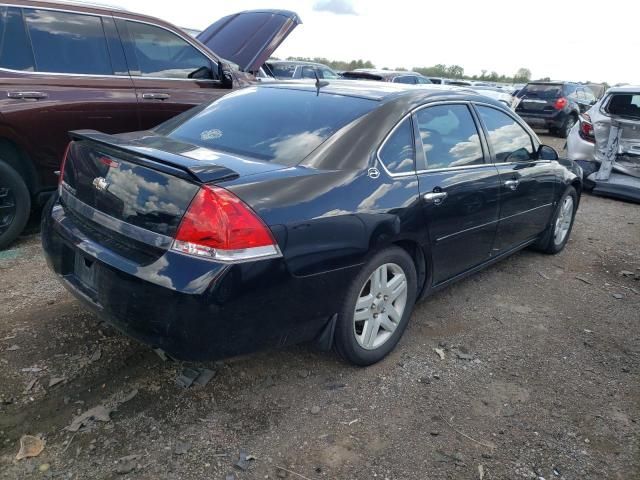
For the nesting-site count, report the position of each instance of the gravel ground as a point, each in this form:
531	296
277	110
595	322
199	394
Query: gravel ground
540	379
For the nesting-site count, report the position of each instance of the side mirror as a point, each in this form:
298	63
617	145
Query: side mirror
202	73
224	75
545	152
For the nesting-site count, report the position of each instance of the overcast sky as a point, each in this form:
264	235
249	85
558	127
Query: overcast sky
561	39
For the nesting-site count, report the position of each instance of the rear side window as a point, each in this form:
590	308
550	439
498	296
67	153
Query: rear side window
625	105
449	136
161	53
15	50
68	42
282	70
272	124
398	152
509	141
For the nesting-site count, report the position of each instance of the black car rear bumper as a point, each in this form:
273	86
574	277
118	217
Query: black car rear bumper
191	308
544	120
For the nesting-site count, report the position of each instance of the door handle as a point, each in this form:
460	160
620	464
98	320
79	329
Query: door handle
25	95
155	96
512	184
435	197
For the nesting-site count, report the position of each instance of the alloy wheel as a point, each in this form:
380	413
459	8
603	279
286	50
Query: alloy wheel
7	208
380	306
563	222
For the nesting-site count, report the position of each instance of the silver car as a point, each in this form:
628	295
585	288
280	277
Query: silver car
606	143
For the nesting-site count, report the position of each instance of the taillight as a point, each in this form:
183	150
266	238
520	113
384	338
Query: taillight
62	165
220	226
586	129
560	103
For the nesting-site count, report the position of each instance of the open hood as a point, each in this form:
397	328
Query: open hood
249	38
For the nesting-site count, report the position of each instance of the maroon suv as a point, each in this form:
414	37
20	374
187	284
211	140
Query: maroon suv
65	66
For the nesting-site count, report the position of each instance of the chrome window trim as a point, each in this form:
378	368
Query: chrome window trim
417	172
110	14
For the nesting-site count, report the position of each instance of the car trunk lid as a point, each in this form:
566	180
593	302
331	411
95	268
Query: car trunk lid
249	38
137	184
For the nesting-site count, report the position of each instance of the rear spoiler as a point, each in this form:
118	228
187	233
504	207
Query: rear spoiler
178	165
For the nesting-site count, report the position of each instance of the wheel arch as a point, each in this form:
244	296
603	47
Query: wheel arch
18	159
420	261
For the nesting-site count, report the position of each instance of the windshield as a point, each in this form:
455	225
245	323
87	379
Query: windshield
544	91
272	124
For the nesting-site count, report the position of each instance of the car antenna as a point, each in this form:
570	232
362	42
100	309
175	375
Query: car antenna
319	84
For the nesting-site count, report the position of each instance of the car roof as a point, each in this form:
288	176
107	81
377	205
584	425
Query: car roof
625	89
383	91
80	5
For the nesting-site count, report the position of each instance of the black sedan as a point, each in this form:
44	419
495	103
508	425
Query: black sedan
289	213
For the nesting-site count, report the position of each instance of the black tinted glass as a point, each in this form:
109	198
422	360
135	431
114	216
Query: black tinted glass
308	72
282	70
449	136
544	91
625	105
509	141
68	42
15	50
270	123
161	53
398	152
406	79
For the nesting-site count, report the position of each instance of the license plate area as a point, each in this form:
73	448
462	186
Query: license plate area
84	269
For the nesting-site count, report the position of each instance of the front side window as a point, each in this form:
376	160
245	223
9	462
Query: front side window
68	42
398	152
15	49
161	53
308	72
328	74
449	136
271	124
509	141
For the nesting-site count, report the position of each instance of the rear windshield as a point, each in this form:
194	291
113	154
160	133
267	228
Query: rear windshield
624	105
272	124
543	91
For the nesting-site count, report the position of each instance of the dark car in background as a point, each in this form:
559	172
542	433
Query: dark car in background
394	76
285	213
65	66
293	70
554	105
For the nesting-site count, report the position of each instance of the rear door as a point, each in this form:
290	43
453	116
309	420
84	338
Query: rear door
62	71
527	185
459	189
170	73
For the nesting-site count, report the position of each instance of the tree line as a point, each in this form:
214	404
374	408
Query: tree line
523	75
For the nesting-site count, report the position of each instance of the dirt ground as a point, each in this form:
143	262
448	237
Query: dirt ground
540	379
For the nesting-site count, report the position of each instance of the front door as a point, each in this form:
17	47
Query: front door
527	185
170	74
459	189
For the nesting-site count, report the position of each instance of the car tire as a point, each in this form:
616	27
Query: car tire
556	236
366	330
563	132
15	205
